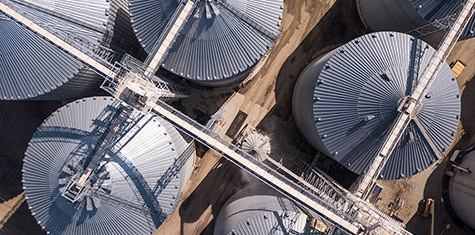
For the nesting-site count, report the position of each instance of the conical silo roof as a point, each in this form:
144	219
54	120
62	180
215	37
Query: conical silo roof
258	209
32	67
138	181
221	41
345	104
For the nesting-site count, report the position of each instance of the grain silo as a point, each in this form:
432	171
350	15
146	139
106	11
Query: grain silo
461	190
221	41
33	68
258	209
132	186
405	15
345	104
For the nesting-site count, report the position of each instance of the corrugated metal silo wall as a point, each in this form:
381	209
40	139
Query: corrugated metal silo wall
84	83
49	73
303	98
120	34
405	15
461	191
182	141
397	15
355	103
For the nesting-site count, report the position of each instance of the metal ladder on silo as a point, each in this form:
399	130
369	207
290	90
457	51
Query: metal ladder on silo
173	170
433	27
409	106
363	216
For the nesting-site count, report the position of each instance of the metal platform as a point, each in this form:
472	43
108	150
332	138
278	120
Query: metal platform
309	189
314	192
409	107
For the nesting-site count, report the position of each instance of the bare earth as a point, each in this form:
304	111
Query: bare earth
309	29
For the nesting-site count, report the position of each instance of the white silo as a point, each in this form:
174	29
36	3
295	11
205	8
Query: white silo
130	188
221	41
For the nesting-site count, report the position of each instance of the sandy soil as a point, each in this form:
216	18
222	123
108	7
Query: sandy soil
267	101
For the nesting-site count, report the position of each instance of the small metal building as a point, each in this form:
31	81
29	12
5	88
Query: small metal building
33	68
345	103
462	190
221	41
404	15
137	184
258	209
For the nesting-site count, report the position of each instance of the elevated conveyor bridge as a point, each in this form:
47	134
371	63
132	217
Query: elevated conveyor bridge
346	211
410	105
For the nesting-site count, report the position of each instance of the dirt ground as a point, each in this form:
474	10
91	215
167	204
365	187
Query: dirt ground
310	28
267	100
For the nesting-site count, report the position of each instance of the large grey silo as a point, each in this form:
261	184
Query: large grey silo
345	103
462	190
258	209
138	183
221	42
405	15
33	68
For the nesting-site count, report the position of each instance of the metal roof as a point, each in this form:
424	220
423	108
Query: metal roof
437	9
33	68
405	15
138	184
256	144
462	192
89	21
257	209
353	102
92	12
221	40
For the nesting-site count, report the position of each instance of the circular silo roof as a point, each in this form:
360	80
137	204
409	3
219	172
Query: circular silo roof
220	41
92	13
29	65
137	183
258	209
355	99
462	192
32	67
435	10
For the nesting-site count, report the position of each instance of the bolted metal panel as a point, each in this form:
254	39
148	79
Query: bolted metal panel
221	41
353	99
140	168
